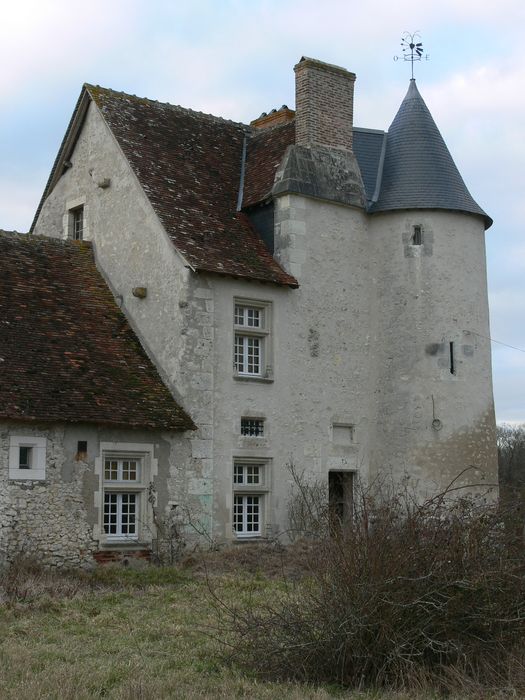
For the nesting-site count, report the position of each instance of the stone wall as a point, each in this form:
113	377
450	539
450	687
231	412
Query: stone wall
57	520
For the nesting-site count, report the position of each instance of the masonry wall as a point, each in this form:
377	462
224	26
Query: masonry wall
433	420
362	343
320	370
58	520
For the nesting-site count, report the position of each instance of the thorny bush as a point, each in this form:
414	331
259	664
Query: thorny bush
404	593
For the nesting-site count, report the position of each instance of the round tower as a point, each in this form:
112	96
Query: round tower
433	396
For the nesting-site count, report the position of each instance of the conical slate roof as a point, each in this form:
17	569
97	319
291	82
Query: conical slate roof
418	171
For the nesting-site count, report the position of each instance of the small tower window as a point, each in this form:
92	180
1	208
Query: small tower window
417	235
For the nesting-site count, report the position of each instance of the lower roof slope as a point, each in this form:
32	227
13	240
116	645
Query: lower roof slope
418	171
67	352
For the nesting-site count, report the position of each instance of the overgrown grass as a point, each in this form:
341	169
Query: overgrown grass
130	634
153	633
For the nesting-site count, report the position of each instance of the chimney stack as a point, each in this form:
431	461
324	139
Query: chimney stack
324	104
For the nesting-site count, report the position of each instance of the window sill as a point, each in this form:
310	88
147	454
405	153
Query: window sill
252	378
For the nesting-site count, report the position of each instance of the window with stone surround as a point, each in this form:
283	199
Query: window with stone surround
250	487
123	490
126	474
27	457
251	347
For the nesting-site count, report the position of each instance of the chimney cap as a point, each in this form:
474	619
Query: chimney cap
306	61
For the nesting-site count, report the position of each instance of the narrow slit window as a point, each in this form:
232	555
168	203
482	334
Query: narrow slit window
417	235
452	363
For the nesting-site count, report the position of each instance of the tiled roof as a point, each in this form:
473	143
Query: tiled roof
418	171
264	154
67	352
189	165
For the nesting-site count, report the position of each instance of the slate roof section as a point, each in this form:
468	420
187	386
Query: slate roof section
67	352
264	153
189	165
419	172
369	148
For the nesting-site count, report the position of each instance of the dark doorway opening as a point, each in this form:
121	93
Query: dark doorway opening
340	499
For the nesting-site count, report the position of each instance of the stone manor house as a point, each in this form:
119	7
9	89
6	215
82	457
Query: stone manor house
201	302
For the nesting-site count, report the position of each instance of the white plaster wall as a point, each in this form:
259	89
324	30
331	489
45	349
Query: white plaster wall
321	343
432	294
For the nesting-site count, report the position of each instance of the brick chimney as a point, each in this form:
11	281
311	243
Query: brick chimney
324	104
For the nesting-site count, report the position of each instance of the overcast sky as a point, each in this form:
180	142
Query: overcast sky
235	59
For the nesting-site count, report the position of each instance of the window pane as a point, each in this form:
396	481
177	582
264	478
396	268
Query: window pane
78	223
253	427
238	474
239	353
247	515
24	457
253	355
253	318
252	514
110	513
237	513
111	470
252	474
239	316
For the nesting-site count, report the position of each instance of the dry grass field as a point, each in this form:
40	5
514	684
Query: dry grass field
141	634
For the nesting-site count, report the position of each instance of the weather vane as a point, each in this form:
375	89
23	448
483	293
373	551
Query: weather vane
412	49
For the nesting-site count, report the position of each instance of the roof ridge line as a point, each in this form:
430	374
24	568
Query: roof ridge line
212	117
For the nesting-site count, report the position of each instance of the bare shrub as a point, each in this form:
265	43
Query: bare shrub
308	513
406	594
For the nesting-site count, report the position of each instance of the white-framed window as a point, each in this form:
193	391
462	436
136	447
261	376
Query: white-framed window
252	427
250	486
251	347
123	491
27	457
126	471
77	223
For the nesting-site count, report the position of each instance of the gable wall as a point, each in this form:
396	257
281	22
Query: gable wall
174	322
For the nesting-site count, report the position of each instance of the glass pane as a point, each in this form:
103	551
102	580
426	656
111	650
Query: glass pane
237	513
252	427
239	316
239	353
111	470
254	355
